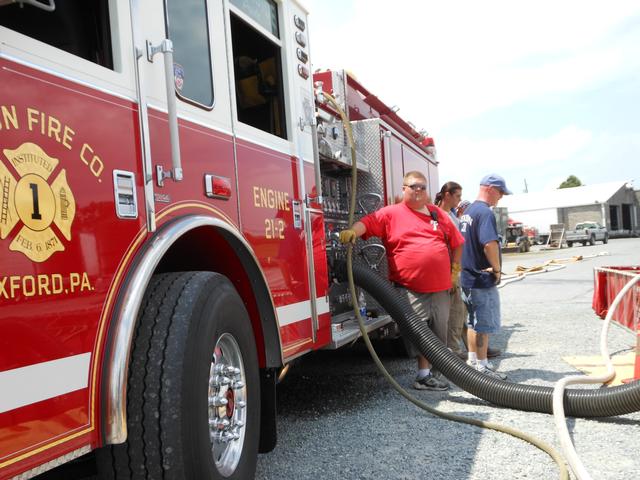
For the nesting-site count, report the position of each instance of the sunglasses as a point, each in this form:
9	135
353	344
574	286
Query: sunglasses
417	187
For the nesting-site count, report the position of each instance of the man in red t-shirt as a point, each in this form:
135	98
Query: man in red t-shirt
423	249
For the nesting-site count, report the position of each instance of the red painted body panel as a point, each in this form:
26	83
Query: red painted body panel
323	335
47	452
40	328
59	284
358	108
203	150
59	317
268	183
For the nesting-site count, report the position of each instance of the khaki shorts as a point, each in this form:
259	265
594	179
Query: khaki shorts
457	321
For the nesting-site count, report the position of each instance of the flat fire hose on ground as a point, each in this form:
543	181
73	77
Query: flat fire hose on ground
548	266
564	474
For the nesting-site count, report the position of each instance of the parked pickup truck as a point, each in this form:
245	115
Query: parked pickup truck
587	232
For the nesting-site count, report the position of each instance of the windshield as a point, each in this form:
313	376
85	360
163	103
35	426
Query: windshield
581	226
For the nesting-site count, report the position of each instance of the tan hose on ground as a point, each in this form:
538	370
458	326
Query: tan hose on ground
548	266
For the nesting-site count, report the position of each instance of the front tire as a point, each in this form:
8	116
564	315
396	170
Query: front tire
193	400
605	240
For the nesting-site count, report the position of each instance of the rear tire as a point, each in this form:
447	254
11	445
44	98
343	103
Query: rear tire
193	350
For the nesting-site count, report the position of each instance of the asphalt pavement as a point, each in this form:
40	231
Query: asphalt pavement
338	418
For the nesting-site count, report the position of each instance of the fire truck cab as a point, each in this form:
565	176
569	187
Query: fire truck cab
171	190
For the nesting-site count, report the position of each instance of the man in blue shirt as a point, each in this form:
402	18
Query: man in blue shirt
481	272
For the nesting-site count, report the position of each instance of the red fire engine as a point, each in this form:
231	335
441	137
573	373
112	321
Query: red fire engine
170	192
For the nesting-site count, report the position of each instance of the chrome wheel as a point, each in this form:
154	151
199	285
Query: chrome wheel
193	403
227	404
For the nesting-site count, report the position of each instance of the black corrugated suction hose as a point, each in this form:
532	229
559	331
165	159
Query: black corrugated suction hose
578	403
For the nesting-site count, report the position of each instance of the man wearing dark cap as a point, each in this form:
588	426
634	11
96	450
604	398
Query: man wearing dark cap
481	272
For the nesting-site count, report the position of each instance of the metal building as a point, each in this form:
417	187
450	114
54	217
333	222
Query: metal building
614	204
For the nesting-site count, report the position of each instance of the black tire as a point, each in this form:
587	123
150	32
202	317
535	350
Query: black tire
569	244
177	346
605	240
592	240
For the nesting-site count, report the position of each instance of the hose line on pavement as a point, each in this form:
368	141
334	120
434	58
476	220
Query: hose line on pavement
564	475
558	392
549	266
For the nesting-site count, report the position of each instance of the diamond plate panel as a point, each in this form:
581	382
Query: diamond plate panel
368	145
368	140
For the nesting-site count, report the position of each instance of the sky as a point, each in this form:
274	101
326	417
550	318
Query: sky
533	91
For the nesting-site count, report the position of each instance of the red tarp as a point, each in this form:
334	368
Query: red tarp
608	281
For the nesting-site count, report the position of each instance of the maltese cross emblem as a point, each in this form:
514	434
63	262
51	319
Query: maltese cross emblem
36	205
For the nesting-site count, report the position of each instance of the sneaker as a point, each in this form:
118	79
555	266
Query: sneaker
430	382
475	364
490	372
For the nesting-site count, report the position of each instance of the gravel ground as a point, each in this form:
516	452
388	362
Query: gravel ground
338	418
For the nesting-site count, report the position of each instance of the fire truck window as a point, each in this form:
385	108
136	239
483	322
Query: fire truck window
188	30
265	12
258	79
78	27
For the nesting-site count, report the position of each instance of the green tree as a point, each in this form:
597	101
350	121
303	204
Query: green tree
571	181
